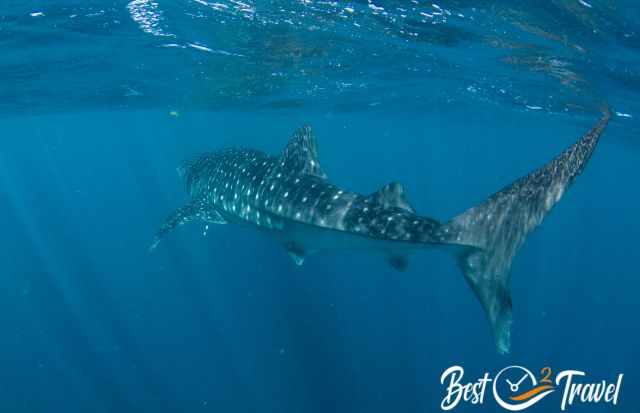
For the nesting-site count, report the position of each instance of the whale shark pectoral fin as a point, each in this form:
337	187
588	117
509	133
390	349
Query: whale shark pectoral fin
177	218
296	252
301	153
392	195
182	215
213	217
399	262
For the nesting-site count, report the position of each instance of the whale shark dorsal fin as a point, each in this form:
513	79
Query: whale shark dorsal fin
301	153
392	195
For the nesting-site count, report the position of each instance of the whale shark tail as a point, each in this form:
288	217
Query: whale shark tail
497	228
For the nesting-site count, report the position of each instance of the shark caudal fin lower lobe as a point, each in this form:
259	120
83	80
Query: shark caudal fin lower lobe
497	228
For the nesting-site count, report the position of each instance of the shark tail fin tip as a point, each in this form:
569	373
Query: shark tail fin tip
494	231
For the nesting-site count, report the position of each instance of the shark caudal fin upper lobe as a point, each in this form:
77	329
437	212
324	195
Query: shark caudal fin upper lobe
497	228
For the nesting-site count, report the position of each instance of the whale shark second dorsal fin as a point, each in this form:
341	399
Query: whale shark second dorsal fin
392	196
301	153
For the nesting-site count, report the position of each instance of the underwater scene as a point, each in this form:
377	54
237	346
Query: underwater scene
319	206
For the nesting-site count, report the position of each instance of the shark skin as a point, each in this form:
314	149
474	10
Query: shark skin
290	197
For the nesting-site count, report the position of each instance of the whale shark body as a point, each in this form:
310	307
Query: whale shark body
290	197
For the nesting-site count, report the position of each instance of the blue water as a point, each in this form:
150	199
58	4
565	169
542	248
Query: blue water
101	100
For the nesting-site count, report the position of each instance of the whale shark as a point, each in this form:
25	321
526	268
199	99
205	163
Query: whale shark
290	197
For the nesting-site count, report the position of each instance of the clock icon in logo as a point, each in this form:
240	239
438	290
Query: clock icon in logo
515	388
